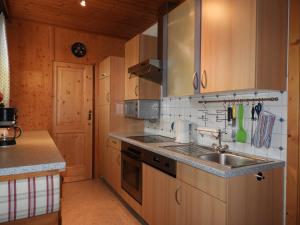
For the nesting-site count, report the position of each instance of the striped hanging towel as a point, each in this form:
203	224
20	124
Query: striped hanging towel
263	132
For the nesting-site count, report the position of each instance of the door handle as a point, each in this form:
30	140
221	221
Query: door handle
135	90
204	77
176	196
195	81
90	115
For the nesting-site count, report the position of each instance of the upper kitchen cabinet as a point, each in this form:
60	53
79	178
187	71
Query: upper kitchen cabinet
243	45
137	50
104	82
182	76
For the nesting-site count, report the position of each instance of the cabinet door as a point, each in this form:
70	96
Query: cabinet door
103	125
181	49
156	194
104	90
253	201
132	57
228	45
104	67
197	207
116	169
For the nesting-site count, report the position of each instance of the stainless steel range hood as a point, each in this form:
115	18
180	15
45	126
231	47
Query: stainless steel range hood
152	69
149	69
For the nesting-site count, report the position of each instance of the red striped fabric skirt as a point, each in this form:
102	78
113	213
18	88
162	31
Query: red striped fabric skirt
25	198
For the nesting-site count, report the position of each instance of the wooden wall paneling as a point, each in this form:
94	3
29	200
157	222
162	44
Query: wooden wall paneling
292	190
98	46
31	55
32	49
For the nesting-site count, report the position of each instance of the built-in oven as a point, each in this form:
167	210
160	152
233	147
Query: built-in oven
131	170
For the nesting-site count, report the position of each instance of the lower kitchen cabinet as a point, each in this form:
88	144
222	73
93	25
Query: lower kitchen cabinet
197	207
156	196
113	164
196	197
169	201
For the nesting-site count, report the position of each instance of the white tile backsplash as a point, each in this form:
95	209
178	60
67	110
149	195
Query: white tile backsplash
213	115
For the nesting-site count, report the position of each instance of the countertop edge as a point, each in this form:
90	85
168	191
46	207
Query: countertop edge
197	164
61	166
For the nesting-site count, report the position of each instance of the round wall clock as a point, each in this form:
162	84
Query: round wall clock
78	49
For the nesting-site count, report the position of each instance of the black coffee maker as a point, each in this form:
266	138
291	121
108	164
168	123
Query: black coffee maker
9	130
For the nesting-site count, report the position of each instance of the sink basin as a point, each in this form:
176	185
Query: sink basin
231	160
190	149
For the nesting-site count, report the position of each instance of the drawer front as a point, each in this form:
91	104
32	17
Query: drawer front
206	182
114	143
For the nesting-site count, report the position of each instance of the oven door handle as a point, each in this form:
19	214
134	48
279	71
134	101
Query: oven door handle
131	155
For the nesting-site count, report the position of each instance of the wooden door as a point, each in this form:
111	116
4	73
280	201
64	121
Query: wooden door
156	196
228	45
132	57
197	207
73	121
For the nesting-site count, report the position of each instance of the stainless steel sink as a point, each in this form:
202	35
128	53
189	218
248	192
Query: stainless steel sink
190	149
231	160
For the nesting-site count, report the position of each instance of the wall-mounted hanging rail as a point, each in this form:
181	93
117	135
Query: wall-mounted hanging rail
240	100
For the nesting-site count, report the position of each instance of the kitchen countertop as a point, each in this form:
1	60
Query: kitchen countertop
214	168
35	151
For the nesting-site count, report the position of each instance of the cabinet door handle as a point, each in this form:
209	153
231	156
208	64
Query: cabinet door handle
195	81
204	77
176	196
135	90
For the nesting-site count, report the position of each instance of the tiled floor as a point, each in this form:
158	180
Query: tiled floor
92	203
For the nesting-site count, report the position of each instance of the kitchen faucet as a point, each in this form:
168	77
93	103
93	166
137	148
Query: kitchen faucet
219	147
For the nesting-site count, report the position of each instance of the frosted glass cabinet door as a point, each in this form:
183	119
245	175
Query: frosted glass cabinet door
181	49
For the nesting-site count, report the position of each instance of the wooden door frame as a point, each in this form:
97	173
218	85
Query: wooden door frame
293	154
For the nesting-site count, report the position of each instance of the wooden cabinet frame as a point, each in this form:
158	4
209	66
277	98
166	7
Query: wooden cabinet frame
293	156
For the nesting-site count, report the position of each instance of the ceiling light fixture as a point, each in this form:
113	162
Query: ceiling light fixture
83	3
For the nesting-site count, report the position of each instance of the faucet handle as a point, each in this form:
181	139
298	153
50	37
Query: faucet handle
225	147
